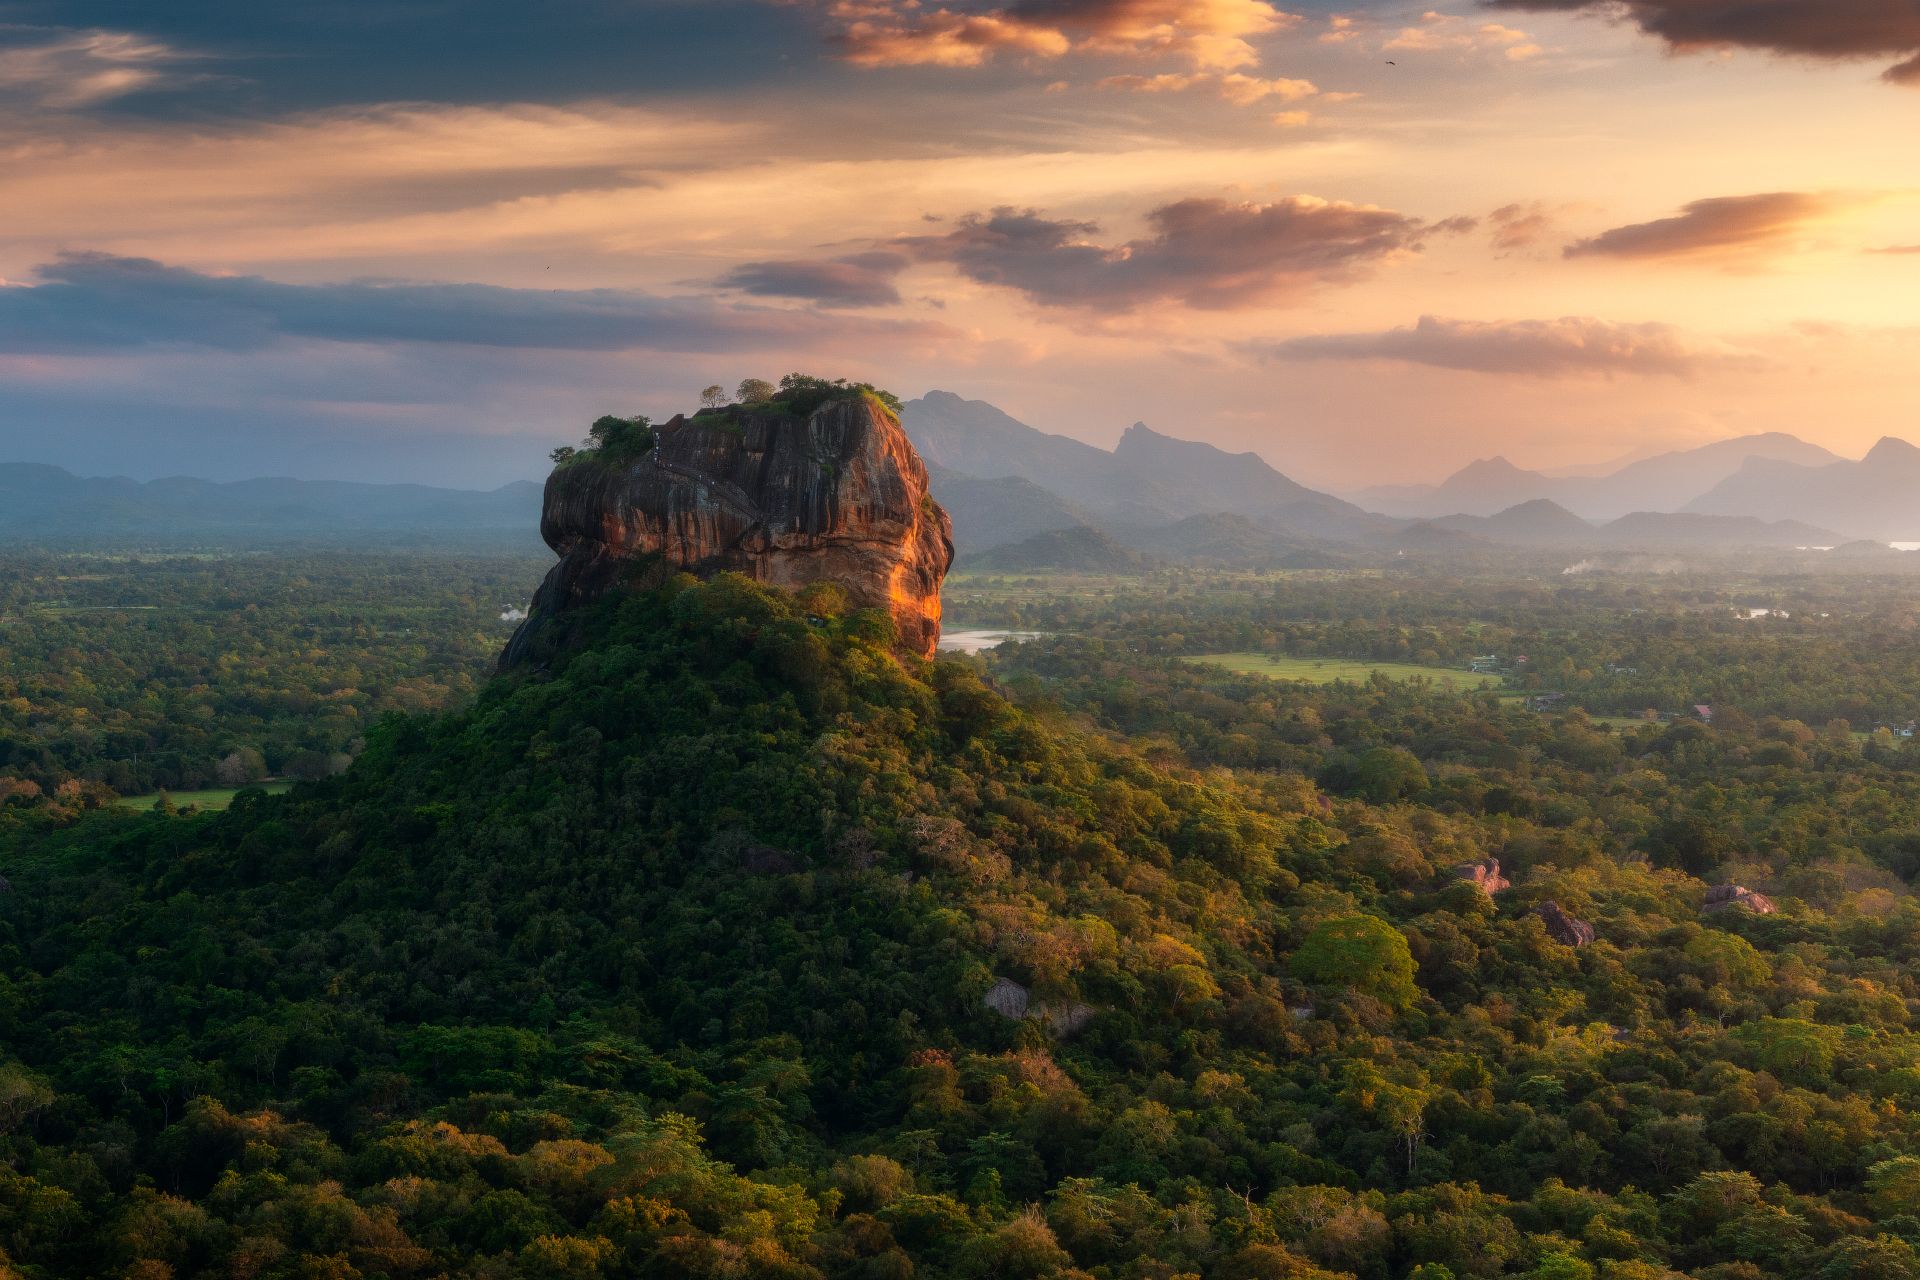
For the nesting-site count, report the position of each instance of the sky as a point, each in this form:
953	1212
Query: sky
428	241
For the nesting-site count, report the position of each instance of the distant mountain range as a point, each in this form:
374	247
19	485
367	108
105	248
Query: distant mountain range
1541	523
1082	549
1027	499
1148	479
1053	501
42	504
1668	482
1877	497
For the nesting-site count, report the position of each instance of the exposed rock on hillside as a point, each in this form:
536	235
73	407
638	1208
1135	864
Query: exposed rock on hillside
1562	927
1008	999
1484	876
1736	897
838	495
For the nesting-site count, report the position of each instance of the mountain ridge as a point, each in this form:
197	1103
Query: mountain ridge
1148	478
1876	497
42	502
1664	482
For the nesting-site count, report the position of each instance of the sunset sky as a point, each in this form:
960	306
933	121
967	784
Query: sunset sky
426	240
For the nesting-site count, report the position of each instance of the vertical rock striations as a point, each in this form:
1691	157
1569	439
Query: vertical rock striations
836	495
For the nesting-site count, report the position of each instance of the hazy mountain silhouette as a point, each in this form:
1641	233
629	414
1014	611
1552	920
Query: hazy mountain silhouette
1082	549
1541	524
1666	482
1219	538
1684	529
1002	510
47	504
1877	497
1148	479
1537	522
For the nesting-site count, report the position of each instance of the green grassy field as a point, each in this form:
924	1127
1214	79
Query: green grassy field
1619	722
1327	670
218	798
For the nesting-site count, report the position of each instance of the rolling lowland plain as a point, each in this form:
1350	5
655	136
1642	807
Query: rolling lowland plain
675	960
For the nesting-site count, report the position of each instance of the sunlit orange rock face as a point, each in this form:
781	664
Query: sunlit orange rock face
838	496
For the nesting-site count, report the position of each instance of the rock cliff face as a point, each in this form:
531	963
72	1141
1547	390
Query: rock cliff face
838	495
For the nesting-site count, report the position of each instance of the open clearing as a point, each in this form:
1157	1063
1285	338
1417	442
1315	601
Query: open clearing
1328	670
217	798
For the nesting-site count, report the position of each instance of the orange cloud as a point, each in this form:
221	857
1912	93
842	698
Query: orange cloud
1445	33
1341	30
1520	226
1572	345
1241	90
1723	227
941	38
1211	35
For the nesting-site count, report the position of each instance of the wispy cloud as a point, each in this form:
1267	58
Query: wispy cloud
1236	87
1520	226
68	69
1572	345
95	303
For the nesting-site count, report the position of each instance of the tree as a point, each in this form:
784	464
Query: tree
1563	1266
713	396
1729	959
1895	1186
755	391
1386	774
240	767
1362	952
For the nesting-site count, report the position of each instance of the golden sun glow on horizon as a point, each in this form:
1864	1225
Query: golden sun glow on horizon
1476	231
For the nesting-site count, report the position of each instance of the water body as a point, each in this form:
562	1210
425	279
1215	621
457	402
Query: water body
980	641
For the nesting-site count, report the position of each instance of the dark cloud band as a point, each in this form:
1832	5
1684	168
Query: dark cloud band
857	280
1802	28
1203	253
94	303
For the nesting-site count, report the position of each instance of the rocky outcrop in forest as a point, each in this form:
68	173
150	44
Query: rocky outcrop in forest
1563	928
835	495
1737	897
1484	876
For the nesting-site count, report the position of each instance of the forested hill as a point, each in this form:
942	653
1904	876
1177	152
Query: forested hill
47	506
729	946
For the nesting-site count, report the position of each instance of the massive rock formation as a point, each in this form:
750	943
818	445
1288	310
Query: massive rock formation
838	495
